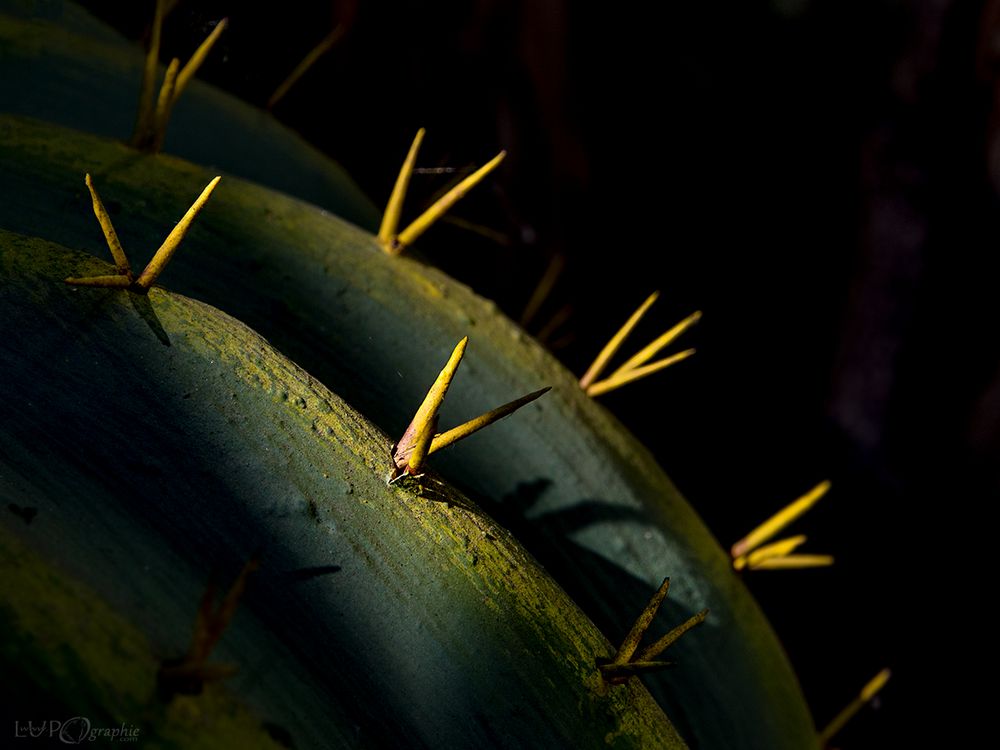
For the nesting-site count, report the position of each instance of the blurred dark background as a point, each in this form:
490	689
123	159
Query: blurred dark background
819	177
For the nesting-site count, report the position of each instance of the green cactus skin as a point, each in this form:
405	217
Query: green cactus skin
157	435
62	65
62	640
575	488
324	293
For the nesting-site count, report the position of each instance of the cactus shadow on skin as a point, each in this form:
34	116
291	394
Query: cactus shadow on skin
144	309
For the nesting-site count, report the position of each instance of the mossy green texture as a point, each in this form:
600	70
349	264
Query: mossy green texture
61	639
159	439
563	475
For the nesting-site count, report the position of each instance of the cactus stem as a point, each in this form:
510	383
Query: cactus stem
424	222
616	341
420	440
768	551
160	259
325	45
151	122
779	521
624	378
623	665
187	674
868	692
483	420
394	208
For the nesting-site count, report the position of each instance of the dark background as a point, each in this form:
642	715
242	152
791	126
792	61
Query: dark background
819	177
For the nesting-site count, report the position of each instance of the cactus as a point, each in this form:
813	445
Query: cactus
387	609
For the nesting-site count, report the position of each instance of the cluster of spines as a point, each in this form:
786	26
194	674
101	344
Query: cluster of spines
123	276
394	241
626	663
753	553
639	365
420	438
153	116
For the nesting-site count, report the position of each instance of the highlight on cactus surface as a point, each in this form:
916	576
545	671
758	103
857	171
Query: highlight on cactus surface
749	553
124	278
394	241
625	663
420	438
638	366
